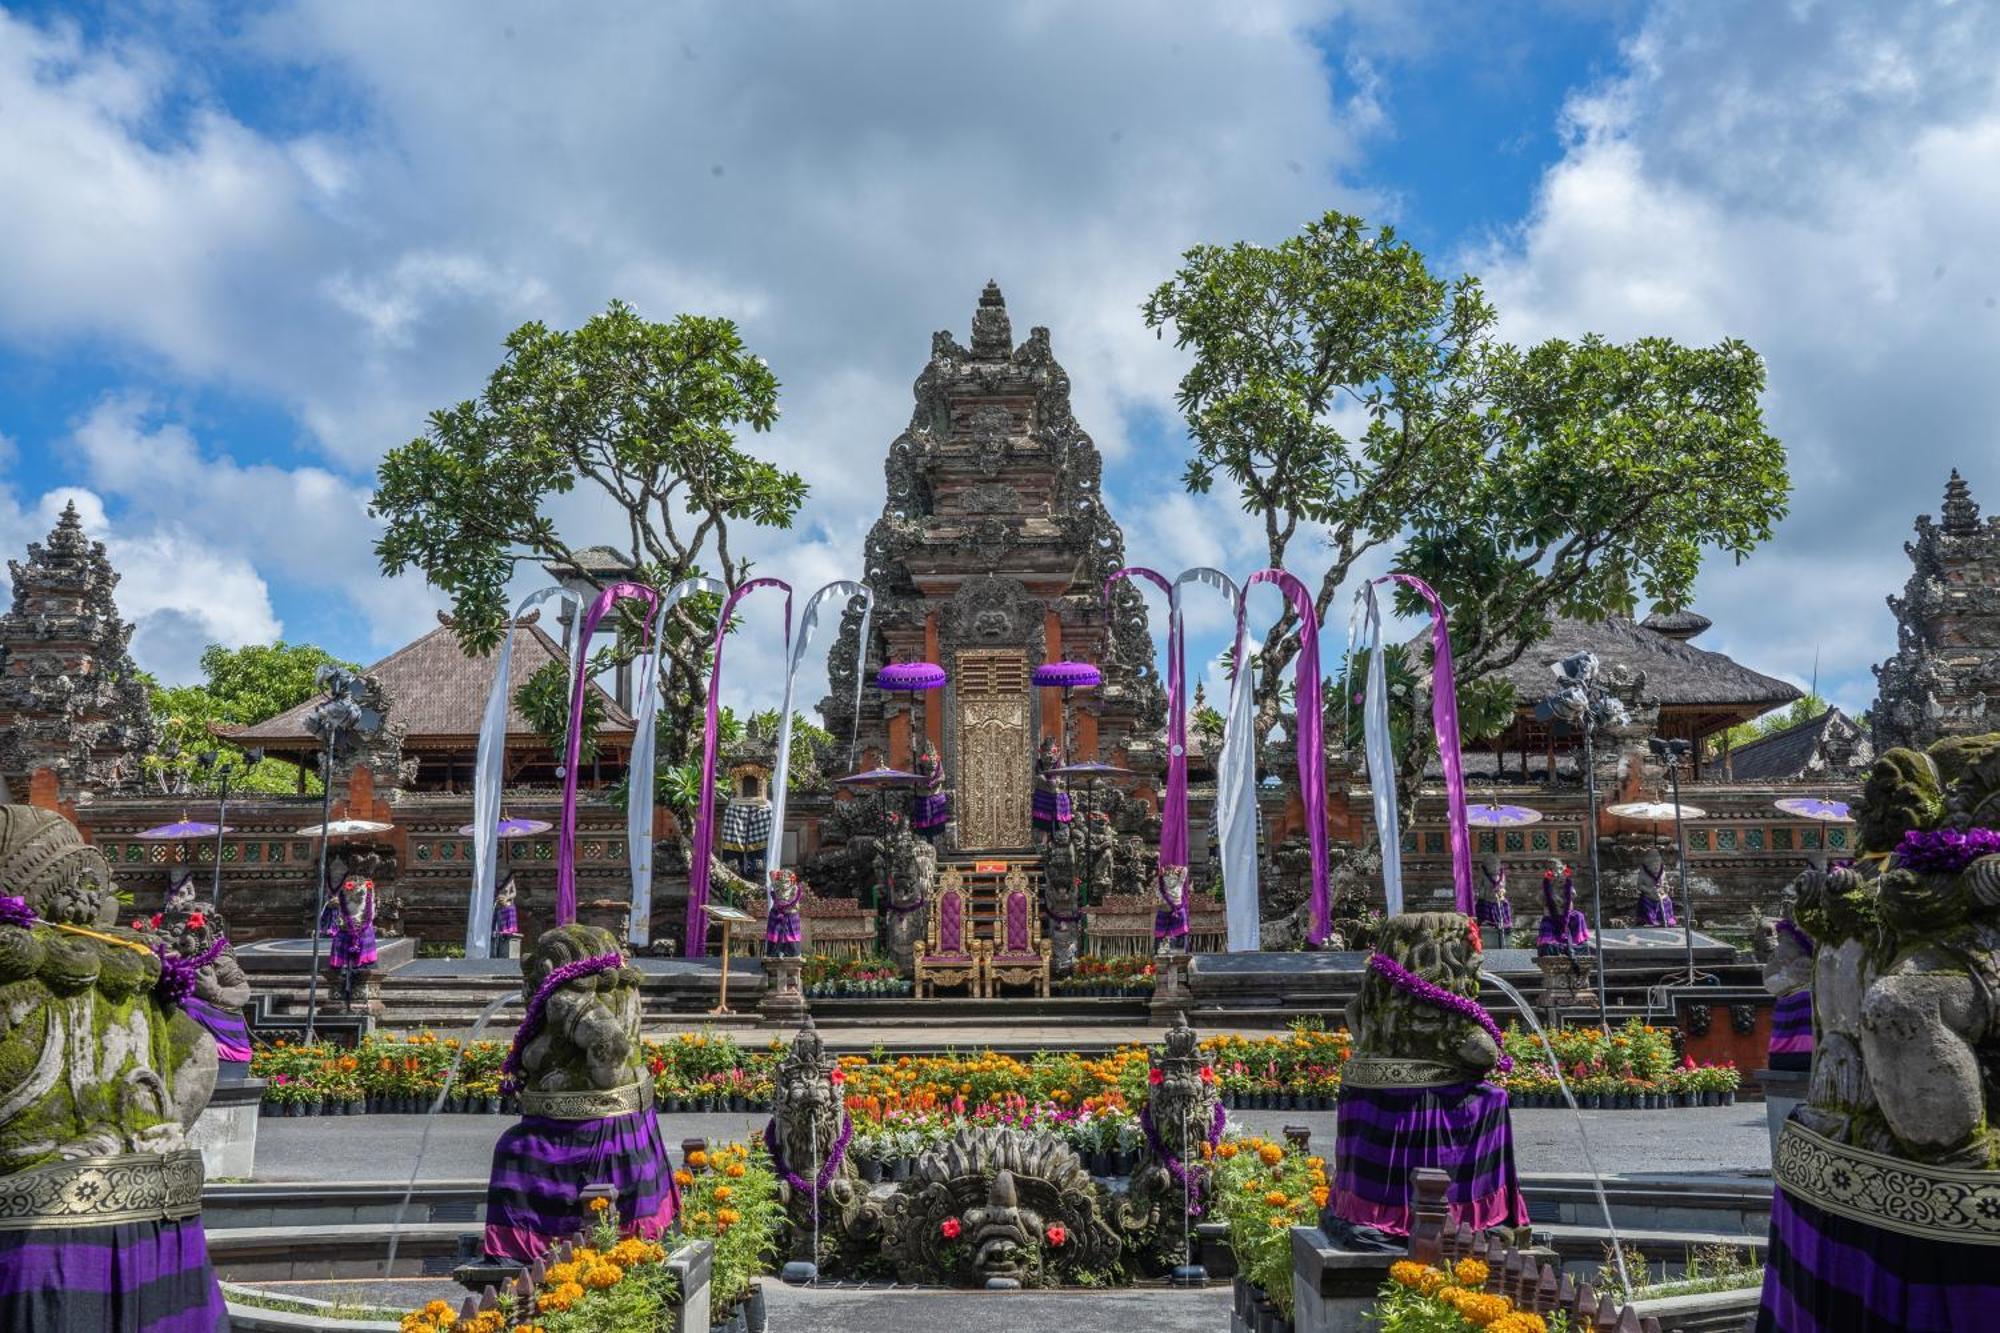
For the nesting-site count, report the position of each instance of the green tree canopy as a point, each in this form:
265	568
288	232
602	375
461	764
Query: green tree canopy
240	686
642	415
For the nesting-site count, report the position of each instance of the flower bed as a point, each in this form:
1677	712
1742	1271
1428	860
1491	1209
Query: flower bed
1631	1068
1421	1299
1262	1190
871	977
1120	974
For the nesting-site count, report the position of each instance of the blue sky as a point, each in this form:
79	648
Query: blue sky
247	248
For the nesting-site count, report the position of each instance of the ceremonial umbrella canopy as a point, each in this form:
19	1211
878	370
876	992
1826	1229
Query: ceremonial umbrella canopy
1068	676
1810	807
880	777
1501	816
510	828
182	828
1092	770
345	828
909	677
1653	812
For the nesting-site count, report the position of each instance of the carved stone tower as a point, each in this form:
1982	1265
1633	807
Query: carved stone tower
1945	677
990	558
70	699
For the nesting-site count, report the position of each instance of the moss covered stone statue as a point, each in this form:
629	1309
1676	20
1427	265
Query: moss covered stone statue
101	1073
1415	1092
586	1102
1887	1211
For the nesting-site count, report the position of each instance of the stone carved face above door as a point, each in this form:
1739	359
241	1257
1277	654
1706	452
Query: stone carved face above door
994	609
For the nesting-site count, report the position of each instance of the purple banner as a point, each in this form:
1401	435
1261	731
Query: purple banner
1444	720
704	822
1312	749
566	840
1174	805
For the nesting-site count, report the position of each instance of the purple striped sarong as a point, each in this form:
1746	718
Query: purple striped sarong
1495	912
1656	911
1825	1273
507	920
542	1166
1050	809
1382	1135
1792	1031
930	810
136	1277
353	946
232	1034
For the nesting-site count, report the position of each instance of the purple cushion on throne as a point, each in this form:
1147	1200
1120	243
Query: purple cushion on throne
1017	923
951	925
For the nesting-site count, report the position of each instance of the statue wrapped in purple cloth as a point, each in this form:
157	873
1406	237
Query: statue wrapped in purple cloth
1170	918
1886	1211
1415	1092
349	924
1562	929
507	910
784	929
1788	975
194	932
101	1075
1051	802
1656	895
930	804
586	1102
1490	907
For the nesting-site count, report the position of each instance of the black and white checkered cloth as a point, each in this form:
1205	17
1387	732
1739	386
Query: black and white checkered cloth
746	826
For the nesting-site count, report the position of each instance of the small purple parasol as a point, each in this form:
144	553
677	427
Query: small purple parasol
1068	676
879	777
1501	816
1811	807
1092	770
185	828
510	828
910	676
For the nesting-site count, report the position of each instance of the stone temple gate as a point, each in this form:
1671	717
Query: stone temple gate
990	559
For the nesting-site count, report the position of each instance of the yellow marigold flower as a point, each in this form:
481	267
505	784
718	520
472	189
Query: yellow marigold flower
561	1273
1279	1220
599	1204
600	1276
683	1178
1470	1272
1320	1195
735	1171
1405	1272
1270	1154
560	1298
722	1192
1277	1199
1521	1321
437	1310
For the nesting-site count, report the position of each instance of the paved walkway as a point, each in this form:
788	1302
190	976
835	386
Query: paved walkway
1626	1143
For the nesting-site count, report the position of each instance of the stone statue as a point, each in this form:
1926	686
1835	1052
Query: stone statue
101	1074
999	1207
1170	918
1562	931
348	922
1888	1176
1490	907
193	931
586	1101
1788	976
506	910
1656	893
818	1184
1062	887
930	804
1098	847
1181	1120
908	867
1414	1093
784	928
1051	802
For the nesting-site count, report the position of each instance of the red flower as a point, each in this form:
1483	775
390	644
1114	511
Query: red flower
838	1076
156	920
197	919
1057	1235
1207	1074
1155	1077
950	1228
138	923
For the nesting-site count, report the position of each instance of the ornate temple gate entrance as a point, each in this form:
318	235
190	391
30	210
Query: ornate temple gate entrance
995	750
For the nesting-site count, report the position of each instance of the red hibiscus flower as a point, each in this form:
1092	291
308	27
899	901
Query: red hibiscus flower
838	1076
1155	1077
950	1228
1057	1235
156	920
138	923
197	919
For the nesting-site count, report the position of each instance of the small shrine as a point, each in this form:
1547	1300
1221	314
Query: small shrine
990	559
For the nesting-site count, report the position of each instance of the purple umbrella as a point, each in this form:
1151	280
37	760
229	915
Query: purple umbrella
1068	676
1501	816
1092	770
186	828
1809	807
879	777
910	676
510	828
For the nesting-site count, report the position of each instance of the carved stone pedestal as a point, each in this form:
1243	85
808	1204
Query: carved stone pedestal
784	999
506	946
1567	981
364	998
226	1133
1171	992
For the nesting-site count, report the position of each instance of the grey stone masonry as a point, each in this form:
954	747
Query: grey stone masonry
1945	677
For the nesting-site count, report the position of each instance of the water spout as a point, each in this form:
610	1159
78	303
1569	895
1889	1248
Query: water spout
478	1026
1596	1176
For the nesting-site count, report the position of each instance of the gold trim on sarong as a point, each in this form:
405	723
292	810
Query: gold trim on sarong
589	1103
1955	1204
1382	1071
103	1191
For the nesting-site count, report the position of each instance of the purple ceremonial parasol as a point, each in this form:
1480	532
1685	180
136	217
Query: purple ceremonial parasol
1068	676
1501	816
1810	807
1092	770
879	777
910	676
346	828
510	828
186	828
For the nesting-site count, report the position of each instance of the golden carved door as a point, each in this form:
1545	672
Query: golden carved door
995	755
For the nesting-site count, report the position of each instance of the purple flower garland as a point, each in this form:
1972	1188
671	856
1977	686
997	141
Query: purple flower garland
176	981
1193	1182
531	1022
1945	851
15	912
811	1189
1413	985
1798	937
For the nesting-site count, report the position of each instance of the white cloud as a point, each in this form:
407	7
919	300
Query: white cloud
1824	182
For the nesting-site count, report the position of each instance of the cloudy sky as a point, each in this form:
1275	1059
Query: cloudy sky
245	250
